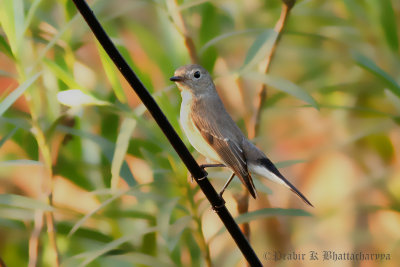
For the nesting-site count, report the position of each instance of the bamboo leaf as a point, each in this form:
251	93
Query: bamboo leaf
175	231
145	78
8	136
222	37
90	214
263	213
127	127
62	74
285	86
64	227
12	22
55	39
165	215
370	66
14	95
16	214
76	98
261	187
18	201
193	3
359	109
209	28
287	163
392	98
150	42
7	74
259	48
268	212
387	18
174	13
143	259
112	74
107	148
5	47
19	162
31	14
92	255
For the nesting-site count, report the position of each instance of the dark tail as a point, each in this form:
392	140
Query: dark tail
248	183
271	167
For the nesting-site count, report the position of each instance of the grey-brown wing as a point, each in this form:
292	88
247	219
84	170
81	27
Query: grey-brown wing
220	132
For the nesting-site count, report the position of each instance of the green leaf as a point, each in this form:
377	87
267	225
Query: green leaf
144	77
18	201
150	42
14	95
164	216
136	214
171	110
176	229
19	162
90	214
92	255
268	212
189	4
64	227
143	259
286	163
387	18
358	109
175	15
8	136
63	75
12	22
224	36
209	29
112	74
75	97
16	214
55	39
370	66
107	148
127	127
381	144
392	98
283	85
4	47
263	213
261	187
31	14
70	9
7	74
12	224
259	48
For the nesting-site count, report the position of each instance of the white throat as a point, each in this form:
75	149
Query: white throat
187	96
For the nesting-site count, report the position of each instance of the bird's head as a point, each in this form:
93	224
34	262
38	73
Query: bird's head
193	78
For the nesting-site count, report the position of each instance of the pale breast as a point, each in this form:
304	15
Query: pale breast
191	131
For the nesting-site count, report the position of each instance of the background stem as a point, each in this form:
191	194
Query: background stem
272	224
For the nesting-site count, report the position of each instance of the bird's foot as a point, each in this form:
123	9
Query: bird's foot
221	193
204	166
201	178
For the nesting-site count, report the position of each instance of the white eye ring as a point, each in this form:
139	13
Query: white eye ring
196	74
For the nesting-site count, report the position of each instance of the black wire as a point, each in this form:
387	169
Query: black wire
198	173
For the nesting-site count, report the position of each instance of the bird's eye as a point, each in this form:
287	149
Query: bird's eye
197	74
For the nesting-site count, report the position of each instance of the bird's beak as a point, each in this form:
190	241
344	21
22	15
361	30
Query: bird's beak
176	78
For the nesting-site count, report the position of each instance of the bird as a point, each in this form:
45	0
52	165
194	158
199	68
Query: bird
213	133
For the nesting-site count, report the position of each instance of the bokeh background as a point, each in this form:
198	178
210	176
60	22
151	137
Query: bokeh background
79	152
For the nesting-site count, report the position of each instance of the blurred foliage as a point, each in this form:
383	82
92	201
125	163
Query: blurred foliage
333	109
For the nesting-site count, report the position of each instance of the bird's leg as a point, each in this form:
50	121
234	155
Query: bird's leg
204	166
226	184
